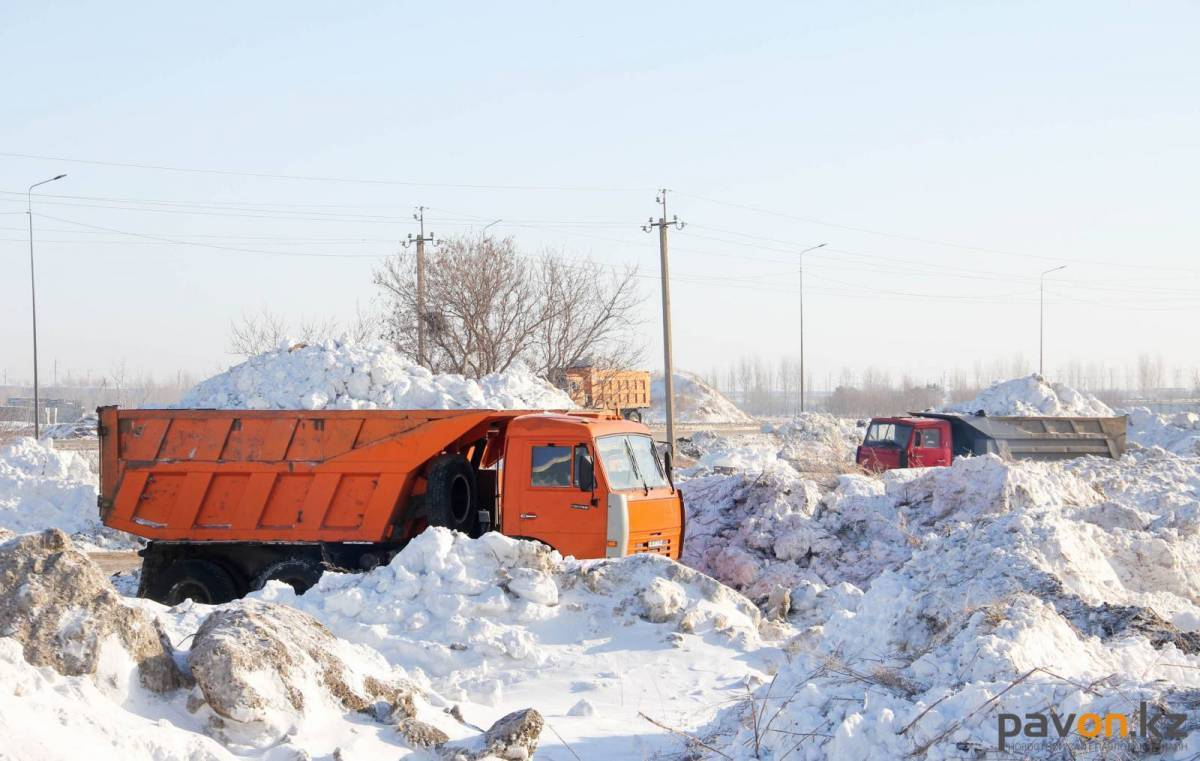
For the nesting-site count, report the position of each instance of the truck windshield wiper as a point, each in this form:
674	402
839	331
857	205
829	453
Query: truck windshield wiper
636	469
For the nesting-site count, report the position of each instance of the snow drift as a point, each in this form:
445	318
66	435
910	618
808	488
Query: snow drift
41	487
695	402
928	601
1033	396
500	622
345	375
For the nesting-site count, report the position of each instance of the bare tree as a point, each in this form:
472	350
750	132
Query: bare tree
589	317
483	310
255	333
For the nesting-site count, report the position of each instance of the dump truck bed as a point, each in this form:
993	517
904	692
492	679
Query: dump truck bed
608	389
272	475
1036	438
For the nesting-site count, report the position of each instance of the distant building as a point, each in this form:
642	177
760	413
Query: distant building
20	409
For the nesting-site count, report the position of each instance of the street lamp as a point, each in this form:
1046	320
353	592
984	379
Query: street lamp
489	224
802	253
1042	319
37	416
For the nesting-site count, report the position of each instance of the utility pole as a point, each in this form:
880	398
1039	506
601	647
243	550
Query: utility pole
37	429
802	253
420	240
1042	320
668	366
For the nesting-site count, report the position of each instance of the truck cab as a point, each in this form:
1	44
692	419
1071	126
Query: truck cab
905	442
589	487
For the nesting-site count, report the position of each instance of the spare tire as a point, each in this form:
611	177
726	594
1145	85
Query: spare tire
450	495
299	573
199	580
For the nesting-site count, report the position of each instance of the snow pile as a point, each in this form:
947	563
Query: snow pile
1178	433
695	402
41	487
82	667
813	442
817	436
60	607
345	375
930	601
500	623
1033	396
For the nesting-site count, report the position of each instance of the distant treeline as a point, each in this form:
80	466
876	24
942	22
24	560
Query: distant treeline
772	388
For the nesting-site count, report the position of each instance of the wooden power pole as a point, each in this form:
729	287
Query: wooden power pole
420	241
668	366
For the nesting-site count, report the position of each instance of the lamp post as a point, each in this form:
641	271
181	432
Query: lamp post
1042	319
37	414
802	253
489	224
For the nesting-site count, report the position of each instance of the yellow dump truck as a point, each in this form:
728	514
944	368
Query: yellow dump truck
626	392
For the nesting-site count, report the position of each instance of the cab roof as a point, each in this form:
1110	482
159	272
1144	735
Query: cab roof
913	421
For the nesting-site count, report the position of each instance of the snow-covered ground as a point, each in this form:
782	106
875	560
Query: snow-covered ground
695	402
344	375
451	638
929	601
848	615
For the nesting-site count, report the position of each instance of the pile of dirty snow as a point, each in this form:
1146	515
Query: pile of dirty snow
1178	433
80	666
42	487
695	402
929	601
347	375
1033	395
813	442
499	623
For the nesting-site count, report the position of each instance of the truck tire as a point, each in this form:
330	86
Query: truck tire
450	495
199	580
633	414
298	573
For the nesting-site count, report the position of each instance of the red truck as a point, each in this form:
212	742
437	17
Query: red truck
929	439
231	499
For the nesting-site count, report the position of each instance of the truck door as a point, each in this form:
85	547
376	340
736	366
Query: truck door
556	503
930	447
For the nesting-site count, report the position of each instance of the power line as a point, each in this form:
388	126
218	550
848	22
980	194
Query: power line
320	178
918	239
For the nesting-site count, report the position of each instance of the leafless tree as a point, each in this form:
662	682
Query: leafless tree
257	332
589	317
487	306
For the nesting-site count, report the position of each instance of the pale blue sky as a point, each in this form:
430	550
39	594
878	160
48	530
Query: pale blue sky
1052	132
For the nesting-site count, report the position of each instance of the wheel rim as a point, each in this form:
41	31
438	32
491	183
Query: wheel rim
460	500
189	589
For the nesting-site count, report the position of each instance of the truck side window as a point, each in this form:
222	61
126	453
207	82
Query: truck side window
551	466
931	438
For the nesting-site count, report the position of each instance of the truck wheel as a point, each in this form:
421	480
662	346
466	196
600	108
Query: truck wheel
193	579
634	414
298	573
450	495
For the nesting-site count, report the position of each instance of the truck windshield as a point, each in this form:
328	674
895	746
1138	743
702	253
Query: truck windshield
631	462
887	435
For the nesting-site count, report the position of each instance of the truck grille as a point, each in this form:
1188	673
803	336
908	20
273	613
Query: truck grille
659	545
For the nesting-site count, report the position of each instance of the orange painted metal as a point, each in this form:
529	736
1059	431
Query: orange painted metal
273	476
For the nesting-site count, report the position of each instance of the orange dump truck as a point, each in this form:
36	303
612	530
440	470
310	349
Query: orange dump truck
231	499
627	392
